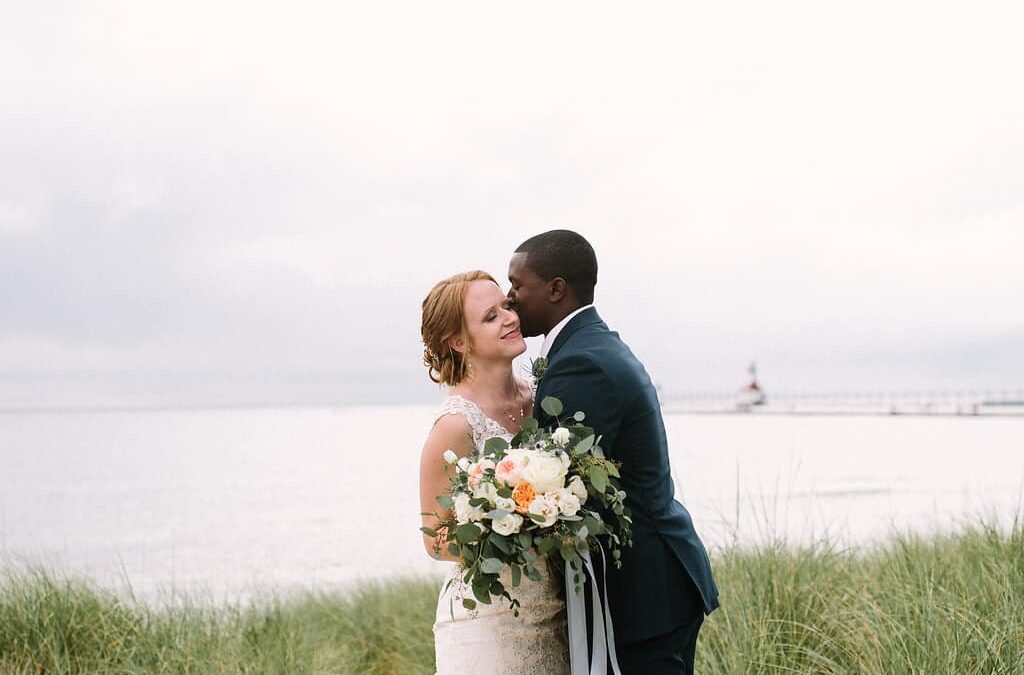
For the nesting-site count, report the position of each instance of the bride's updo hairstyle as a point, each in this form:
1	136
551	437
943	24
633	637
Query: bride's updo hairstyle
444	319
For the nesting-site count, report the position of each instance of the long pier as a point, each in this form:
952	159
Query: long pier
1002	403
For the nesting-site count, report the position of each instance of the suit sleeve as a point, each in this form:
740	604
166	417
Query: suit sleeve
580	383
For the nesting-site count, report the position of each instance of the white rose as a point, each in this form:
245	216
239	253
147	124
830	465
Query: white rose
577	487
505	504
450	457
486	490
507	524
568	503
560	436
464	512
545	473
464	464
546	509
564	458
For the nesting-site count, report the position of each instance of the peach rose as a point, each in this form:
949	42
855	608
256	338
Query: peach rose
476	471
523	495
510	469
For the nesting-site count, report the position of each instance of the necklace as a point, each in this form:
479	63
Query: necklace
508	413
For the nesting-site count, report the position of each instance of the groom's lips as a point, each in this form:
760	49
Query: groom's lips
515	333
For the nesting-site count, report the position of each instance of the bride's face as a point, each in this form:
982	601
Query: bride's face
492	324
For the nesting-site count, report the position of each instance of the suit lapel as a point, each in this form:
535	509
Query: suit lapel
587	317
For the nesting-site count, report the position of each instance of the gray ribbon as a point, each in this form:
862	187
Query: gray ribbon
603	636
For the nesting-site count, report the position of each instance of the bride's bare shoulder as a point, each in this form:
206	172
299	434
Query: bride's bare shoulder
452	427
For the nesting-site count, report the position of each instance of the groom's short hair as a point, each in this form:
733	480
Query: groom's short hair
566	254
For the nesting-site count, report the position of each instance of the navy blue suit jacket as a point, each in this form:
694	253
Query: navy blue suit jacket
590	369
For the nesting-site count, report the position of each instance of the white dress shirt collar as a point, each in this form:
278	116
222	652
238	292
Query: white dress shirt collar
549	339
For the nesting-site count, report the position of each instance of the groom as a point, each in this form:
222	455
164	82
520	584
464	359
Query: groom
660	596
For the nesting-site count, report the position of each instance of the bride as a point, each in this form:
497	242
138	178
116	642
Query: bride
471	335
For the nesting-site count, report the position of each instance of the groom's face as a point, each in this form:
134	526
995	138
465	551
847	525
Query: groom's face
529	293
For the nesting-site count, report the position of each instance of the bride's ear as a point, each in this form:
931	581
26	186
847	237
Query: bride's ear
456	344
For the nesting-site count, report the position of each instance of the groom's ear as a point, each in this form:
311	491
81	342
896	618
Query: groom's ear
558	290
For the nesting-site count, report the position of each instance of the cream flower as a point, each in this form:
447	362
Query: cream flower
577	487
546	509
465	513
505	504
450	457
568	503
560	436
486	490
507	524
545	472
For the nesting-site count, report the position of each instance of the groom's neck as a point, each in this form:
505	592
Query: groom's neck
559	316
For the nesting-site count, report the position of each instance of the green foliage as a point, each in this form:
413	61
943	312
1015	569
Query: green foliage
551	405
916	606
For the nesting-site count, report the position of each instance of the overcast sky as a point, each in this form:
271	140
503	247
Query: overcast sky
222	202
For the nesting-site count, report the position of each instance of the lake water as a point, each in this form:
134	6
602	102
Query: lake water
224	503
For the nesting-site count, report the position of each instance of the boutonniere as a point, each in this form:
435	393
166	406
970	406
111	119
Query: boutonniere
537	368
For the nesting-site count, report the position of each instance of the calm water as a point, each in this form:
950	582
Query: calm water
225	503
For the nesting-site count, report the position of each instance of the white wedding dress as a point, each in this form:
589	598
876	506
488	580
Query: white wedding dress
491	640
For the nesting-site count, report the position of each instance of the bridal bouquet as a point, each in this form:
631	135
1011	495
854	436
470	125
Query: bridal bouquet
546	495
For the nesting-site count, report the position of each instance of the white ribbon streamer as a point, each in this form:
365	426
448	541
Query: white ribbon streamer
603	637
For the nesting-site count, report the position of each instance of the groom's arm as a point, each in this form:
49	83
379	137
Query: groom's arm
580	383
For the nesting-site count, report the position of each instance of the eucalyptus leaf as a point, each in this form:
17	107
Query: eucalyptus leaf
500	543
528	425
579	416
482	589
429	532
468	533
495	444
517	575
445	502
533	573
491	566
552	406
546	545
584	445
496	514
598	478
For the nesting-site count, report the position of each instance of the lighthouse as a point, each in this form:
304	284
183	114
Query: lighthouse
751	394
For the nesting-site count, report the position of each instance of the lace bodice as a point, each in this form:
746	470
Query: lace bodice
483	426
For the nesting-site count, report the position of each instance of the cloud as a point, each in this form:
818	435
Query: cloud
197	190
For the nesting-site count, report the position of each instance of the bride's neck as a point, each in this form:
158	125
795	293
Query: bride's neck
492	379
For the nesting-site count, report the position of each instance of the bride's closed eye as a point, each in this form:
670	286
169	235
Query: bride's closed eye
491	316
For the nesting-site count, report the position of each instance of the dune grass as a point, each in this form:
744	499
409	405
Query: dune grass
918	605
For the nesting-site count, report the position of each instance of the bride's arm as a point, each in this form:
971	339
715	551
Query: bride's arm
450	432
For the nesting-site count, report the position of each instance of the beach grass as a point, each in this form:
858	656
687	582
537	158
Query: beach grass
918	605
